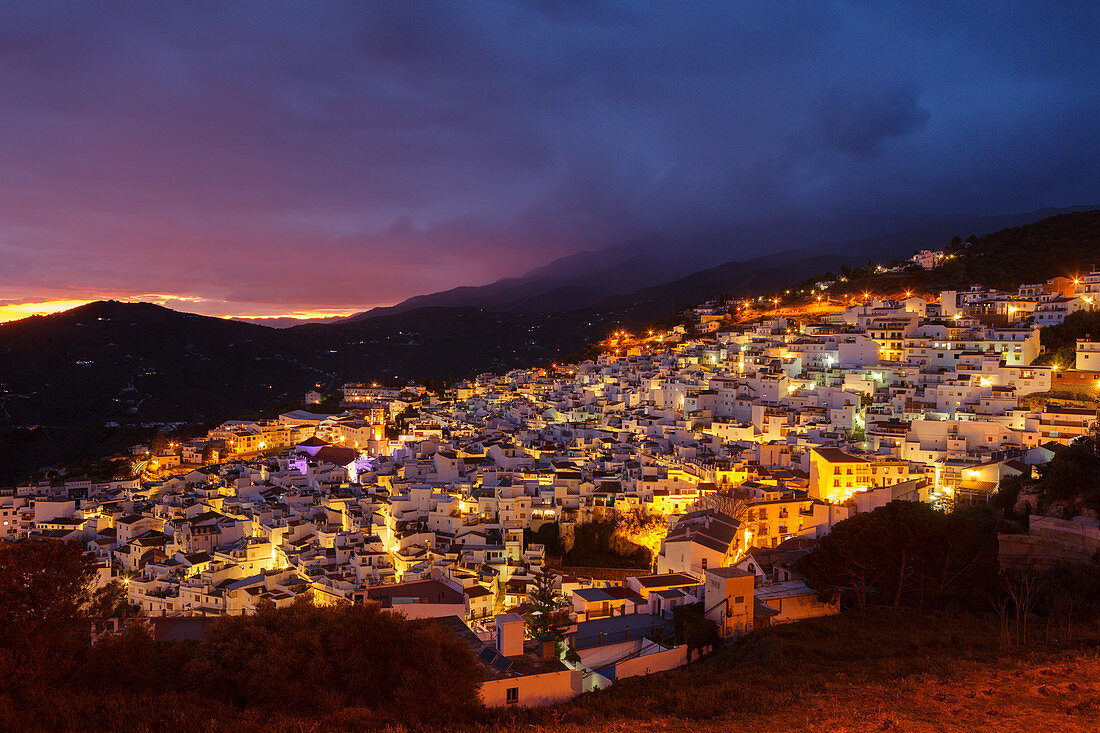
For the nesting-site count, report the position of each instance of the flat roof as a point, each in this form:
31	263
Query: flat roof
667	580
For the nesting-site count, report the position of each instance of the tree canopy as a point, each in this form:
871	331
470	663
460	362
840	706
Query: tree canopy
1068	484
1060	341
48	601
301	659
906	554
548	616
309	657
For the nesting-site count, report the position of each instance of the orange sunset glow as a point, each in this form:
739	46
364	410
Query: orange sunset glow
16	311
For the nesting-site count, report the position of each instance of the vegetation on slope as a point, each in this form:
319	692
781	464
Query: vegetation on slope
1060	342
1063	245
884	670
1068	484
908	555
293	663
611	539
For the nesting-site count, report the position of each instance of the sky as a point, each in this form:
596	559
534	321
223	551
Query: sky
310	159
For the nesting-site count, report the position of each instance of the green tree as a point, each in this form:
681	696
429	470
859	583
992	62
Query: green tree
906	554
1071	593
159	444
313	658
47	603
691	627
1008	491
547	617
1073	470
110	602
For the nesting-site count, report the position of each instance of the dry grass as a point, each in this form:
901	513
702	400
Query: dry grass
888	671
1017	696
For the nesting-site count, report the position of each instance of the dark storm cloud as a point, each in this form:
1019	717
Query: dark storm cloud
280	156
857	121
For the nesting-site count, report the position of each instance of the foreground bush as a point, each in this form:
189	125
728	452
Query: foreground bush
48	602
907	555
312	658
303	660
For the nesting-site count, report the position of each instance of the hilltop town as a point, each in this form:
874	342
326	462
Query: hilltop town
567	521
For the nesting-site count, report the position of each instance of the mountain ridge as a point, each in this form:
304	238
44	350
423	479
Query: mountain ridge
588	278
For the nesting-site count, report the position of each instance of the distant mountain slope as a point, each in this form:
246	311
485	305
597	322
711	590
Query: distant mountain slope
285	321
625	272
734	278
543	292
71	374
1069	242
1066	244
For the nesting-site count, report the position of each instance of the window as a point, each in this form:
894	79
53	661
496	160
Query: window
511	695
739	599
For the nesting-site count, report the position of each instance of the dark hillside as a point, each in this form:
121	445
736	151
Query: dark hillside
85	383
1063	245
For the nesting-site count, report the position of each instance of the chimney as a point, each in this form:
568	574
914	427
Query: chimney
509	635
549	647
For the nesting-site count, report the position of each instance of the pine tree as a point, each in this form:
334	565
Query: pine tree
547	617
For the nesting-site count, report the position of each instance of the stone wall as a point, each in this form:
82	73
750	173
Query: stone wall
1050	541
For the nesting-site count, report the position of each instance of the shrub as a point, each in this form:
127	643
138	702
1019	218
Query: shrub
310	658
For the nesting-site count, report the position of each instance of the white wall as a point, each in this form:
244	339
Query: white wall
658	662
536	689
